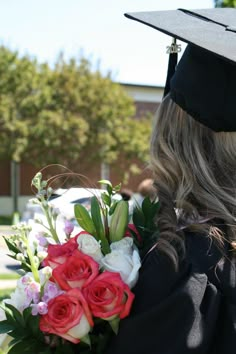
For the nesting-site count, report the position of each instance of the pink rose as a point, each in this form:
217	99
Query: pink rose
109	296
77	272
68	316
58	254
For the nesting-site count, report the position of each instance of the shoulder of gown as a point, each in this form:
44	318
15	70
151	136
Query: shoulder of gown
183	312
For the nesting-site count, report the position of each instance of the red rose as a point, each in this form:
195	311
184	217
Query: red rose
68	316
109	296
77	272
58	254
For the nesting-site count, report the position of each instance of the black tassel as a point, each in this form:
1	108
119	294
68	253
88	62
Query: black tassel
173	58
173	51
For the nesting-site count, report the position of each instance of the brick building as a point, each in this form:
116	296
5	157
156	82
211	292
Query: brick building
146	99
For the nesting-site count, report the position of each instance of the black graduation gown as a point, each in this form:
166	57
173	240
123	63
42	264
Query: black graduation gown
192	311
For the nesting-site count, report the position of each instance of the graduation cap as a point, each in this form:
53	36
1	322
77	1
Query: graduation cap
204	81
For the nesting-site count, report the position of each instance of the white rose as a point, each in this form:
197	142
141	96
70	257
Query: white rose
126	264
90	246
124	245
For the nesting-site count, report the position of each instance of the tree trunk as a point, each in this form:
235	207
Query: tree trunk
15	182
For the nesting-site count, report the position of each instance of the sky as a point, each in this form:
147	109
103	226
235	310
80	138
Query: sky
96	29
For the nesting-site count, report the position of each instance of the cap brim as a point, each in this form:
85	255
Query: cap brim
210	29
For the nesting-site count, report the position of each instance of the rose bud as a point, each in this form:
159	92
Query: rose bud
89	245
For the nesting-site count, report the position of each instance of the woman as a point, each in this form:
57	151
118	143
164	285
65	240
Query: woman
185	299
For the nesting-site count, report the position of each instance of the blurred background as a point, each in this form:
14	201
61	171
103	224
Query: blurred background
79	84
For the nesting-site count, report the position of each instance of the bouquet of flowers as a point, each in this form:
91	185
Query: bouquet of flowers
74	289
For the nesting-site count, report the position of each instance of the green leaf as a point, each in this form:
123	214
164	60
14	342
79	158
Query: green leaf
33	325
11	246
119	221
117	188
150	210
18	333
26	346
115	324
27	313
5	327
65	348
113	207
106	198
107	184
97	220
14	341
96	217
138	218
84	220
146	207
16	314
86	340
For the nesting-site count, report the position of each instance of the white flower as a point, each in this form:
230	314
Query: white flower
123	260
42	255
45	274
124	245
28	290
90	246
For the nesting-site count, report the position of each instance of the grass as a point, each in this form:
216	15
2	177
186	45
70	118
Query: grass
5	293
9	276
5	220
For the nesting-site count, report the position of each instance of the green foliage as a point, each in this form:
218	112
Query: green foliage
56	115
24	330
144	221
5	293
96	214
26	337
5	220
119	221
225	3
84	219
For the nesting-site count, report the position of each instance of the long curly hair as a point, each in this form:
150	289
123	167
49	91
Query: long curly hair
194	171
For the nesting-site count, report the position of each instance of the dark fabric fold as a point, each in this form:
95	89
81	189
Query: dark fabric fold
184	312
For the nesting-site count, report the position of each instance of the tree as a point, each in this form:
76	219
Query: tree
225	3
31	128
66	113
102	103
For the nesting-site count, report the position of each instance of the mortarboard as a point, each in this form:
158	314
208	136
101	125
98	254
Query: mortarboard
204	81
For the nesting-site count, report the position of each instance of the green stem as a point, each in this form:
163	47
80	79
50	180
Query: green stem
106	227
33	267
52	229
105	245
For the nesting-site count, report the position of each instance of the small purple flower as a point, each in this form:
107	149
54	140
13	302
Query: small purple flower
26	279
41	239
50	291
68	228
41	308
33	292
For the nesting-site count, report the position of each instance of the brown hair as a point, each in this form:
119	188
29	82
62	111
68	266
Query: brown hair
194	170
